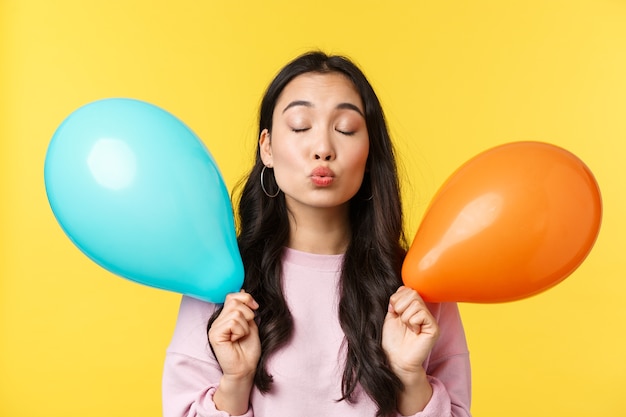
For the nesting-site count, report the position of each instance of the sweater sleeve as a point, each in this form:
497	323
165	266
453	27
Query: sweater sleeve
448	367
191	374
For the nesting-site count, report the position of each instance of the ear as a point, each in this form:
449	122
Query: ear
265	148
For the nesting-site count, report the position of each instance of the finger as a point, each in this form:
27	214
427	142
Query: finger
241	297
416	320
230	329
235	311
238	312
423	322
403	298
401	293
411	311
239	330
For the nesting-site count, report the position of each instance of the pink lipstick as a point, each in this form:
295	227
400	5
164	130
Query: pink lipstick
322	176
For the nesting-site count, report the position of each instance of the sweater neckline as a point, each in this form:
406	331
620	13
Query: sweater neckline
313	260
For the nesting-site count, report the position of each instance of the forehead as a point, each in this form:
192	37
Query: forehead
320	88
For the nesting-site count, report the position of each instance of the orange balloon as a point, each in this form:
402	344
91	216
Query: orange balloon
511	222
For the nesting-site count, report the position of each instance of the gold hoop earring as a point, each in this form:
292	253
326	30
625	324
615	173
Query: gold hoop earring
263	185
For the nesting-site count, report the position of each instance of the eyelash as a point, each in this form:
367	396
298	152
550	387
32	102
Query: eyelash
345	133
337	130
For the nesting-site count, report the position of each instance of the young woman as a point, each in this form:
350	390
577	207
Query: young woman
323	326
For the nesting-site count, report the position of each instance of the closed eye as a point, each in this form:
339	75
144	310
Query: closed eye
344	132
298	130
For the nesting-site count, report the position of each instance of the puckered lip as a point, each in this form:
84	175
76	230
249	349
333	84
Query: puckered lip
322	171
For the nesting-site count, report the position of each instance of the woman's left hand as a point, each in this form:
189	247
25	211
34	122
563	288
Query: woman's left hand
409	333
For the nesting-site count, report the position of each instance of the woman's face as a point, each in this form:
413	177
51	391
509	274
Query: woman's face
319	144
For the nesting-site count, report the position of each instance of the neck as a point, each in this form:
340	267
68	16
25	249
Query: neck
321	231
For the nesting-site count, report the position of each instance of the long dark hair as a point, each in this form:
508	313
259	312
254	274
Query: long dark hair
373	259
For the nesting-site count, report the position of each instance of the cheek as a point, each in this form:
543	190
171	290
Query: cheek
286	163
284	156
359	158
357	165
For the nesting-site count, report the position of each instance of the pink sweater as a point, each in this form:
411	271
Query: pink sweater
307	372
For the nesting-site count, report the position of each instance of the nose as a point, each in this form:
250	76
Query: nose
323	148
323	156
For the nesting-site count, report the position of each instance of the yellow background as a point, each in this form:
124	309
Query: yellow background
455	77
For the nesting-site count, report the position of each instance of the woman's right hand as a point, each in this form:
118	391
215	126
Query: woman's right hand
234	337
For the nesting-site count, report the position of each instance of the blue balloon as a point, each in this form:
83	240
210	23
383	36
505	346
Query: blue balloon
138	192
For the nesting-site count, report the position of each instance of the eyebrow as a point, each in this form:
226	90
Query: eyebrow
348	106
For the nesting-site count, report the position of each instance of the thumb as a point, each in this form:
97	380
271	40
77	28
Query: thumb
391	313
